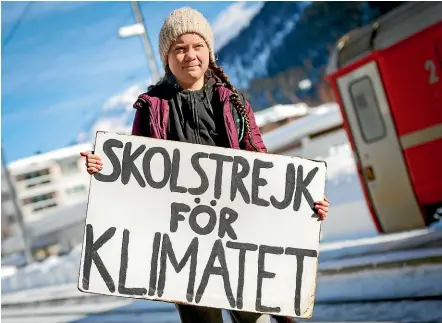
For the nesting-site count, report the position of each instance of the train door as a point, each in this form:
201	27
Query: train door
378	151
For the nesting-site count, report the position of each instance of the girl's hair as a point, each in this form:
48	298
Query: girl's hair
239	106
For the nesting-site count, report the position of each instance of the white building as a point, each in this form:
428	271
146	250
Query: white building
44	184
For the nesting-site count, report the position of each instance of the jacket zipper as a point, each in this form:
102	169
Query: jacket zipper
195	116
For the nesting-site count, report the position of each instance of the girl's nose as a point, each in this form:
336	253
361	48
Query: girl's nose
190	56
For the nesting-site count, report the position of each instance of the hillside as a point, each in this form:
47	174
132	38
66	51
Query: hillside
287	42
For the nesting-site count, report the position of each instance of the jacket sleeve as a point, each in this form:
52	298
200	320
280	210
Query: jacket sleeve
256	134
140	126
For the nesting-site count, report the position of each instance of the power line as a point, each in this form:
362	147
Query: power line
17	24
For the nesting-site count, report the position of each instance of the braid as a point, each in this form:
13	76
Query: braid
239	106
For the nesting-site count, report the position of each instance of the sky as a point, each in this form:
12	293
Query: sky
63	62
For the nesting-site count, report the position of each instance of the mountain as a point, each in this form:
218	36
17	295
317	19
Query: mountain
288	44
232	20
245	57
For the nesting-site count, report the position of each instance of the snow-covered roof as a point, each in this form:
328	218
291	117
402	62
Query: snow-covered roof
318	119
42	159
280	112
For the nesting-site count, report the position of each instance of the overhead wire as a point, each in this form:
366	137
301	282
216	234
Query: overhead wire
16	25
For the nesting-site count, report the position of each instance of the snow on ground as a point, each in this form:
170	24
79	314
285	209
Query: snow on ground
425	280
349	217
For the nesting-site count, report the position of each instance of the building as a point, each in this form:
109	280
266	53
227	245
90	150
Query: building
278	115
45	184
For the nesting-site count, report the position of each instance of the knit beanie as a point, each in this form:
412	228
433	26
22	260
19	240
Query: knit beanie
182	21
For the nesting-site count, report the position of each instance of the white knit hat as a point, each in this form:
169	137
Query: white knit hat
182	21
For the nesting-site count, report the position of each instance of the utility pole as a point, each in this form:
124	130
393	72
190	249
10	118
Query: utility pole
18	213
146	42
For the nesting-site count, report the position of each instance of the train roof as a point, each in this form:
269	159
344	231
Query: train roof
389	29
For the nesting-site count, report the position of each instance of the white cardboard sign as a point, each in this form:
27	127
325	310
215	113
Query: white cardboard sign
202	225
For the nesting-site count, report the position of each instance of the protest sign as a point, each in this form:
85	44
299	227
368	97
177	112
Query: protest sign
202	225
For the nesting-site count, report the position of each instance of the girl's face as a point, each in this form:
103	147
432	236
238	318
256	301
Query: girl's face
188	58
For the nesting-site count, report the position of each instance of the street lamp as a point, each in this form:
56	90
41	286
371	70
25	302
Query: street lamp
131	30
139	29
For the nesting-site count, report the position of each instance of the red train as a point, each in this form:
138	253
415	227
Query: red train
387	78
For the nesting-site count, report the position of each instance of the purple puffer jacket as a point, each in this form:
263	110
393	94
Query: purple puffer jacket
159	118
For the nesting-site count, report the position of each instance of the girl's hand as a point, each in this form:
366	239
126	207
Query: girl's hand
322	208
93	162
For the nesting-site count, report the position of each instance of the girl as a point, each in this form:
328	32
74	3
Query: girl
196	103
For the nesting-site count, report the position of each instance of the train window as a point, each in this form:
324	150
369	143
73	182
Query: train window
367	109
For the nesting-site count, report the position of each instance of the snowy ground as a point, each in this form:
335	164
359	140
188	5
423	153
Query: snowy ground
403	282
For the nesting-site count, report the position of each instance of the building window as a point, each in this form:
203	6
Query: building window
30	175
38	198
76	189
367	109
69	166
